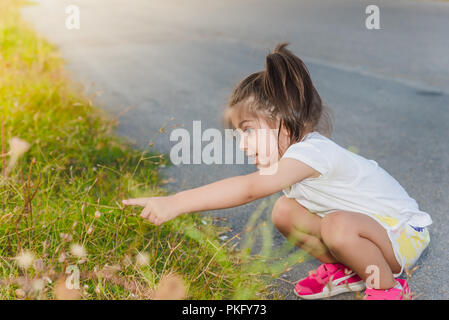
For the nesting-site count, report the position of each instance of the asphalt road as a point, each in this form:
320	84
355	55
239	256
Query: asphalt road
388	88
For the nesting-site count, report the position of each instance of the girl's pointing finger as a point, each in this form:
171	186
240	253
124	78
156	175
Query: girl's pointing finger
135	202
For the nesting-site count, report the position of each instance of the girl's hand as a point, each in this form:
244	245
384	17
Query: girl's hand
156	209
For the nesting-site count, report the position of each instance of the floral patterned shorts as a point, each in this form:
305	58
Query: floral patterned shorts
409	243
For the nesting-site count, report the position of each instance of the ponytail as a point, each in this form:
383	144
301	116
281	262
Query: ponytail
283	92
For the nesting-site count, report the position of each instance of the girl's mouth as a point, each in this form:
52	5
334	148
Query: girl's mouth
255	158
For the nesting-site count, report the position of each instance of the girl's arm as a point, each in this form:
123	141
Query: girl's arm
226	193
239	190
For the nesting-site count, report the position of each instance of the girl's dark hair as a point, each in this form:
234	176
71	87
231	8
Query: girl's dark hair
283	94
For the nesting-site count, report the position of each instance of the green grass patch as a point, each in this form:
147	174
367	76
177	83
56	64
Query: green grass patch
60	205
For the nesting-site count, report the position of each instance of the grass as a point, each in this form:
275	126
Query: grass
61	218
60	212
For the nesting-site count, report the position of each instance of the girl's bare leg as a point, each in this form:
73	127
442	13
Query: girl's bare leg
358	241
300	226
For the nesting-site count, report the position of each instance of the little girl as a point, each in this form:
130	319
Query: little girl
341	208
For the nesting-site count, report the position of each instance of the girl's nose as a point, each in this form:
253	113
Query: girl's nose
247	146
243	143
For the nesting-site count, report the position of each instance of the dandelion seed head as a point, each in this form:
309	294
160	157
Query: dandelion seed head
142	258
18	146
25	259
78	250
97	214
38	285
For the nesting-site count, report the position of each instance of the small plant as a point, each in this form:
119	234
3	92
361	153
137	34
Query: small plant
63	232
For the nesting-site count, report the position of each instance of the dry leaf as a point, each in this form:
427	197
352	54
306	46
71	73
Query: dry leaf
61	258
38	265
61	291
170	287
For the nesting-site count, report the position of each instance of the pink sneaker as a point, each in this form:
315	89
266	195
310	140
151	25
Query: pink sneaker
328	280
390	294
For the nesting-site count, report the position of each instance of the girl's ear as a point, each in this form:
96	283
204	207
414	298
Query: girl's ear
284	131
284	141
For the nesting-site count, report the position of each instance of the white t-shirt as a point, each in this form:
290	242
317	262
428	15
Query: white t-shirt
350	182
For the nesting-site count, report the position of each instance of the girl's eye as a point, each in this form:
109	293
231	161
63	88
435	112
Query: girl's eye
248	130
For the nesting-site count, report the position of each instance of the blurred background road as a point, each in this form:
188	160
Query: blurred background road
388	88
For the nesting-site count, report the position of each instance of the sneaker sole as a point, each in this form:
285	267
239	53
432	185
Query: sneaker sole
326	293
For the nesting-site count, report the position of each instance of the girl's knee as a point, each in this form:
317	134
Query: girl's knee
281	214
337	230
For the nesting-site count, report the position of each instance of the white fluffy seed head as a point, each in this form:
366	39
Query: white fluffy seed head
18	146
78	250
25	259
142	258
38	285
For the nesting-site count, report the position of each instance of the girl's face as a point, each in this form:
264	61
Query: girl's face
259	141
